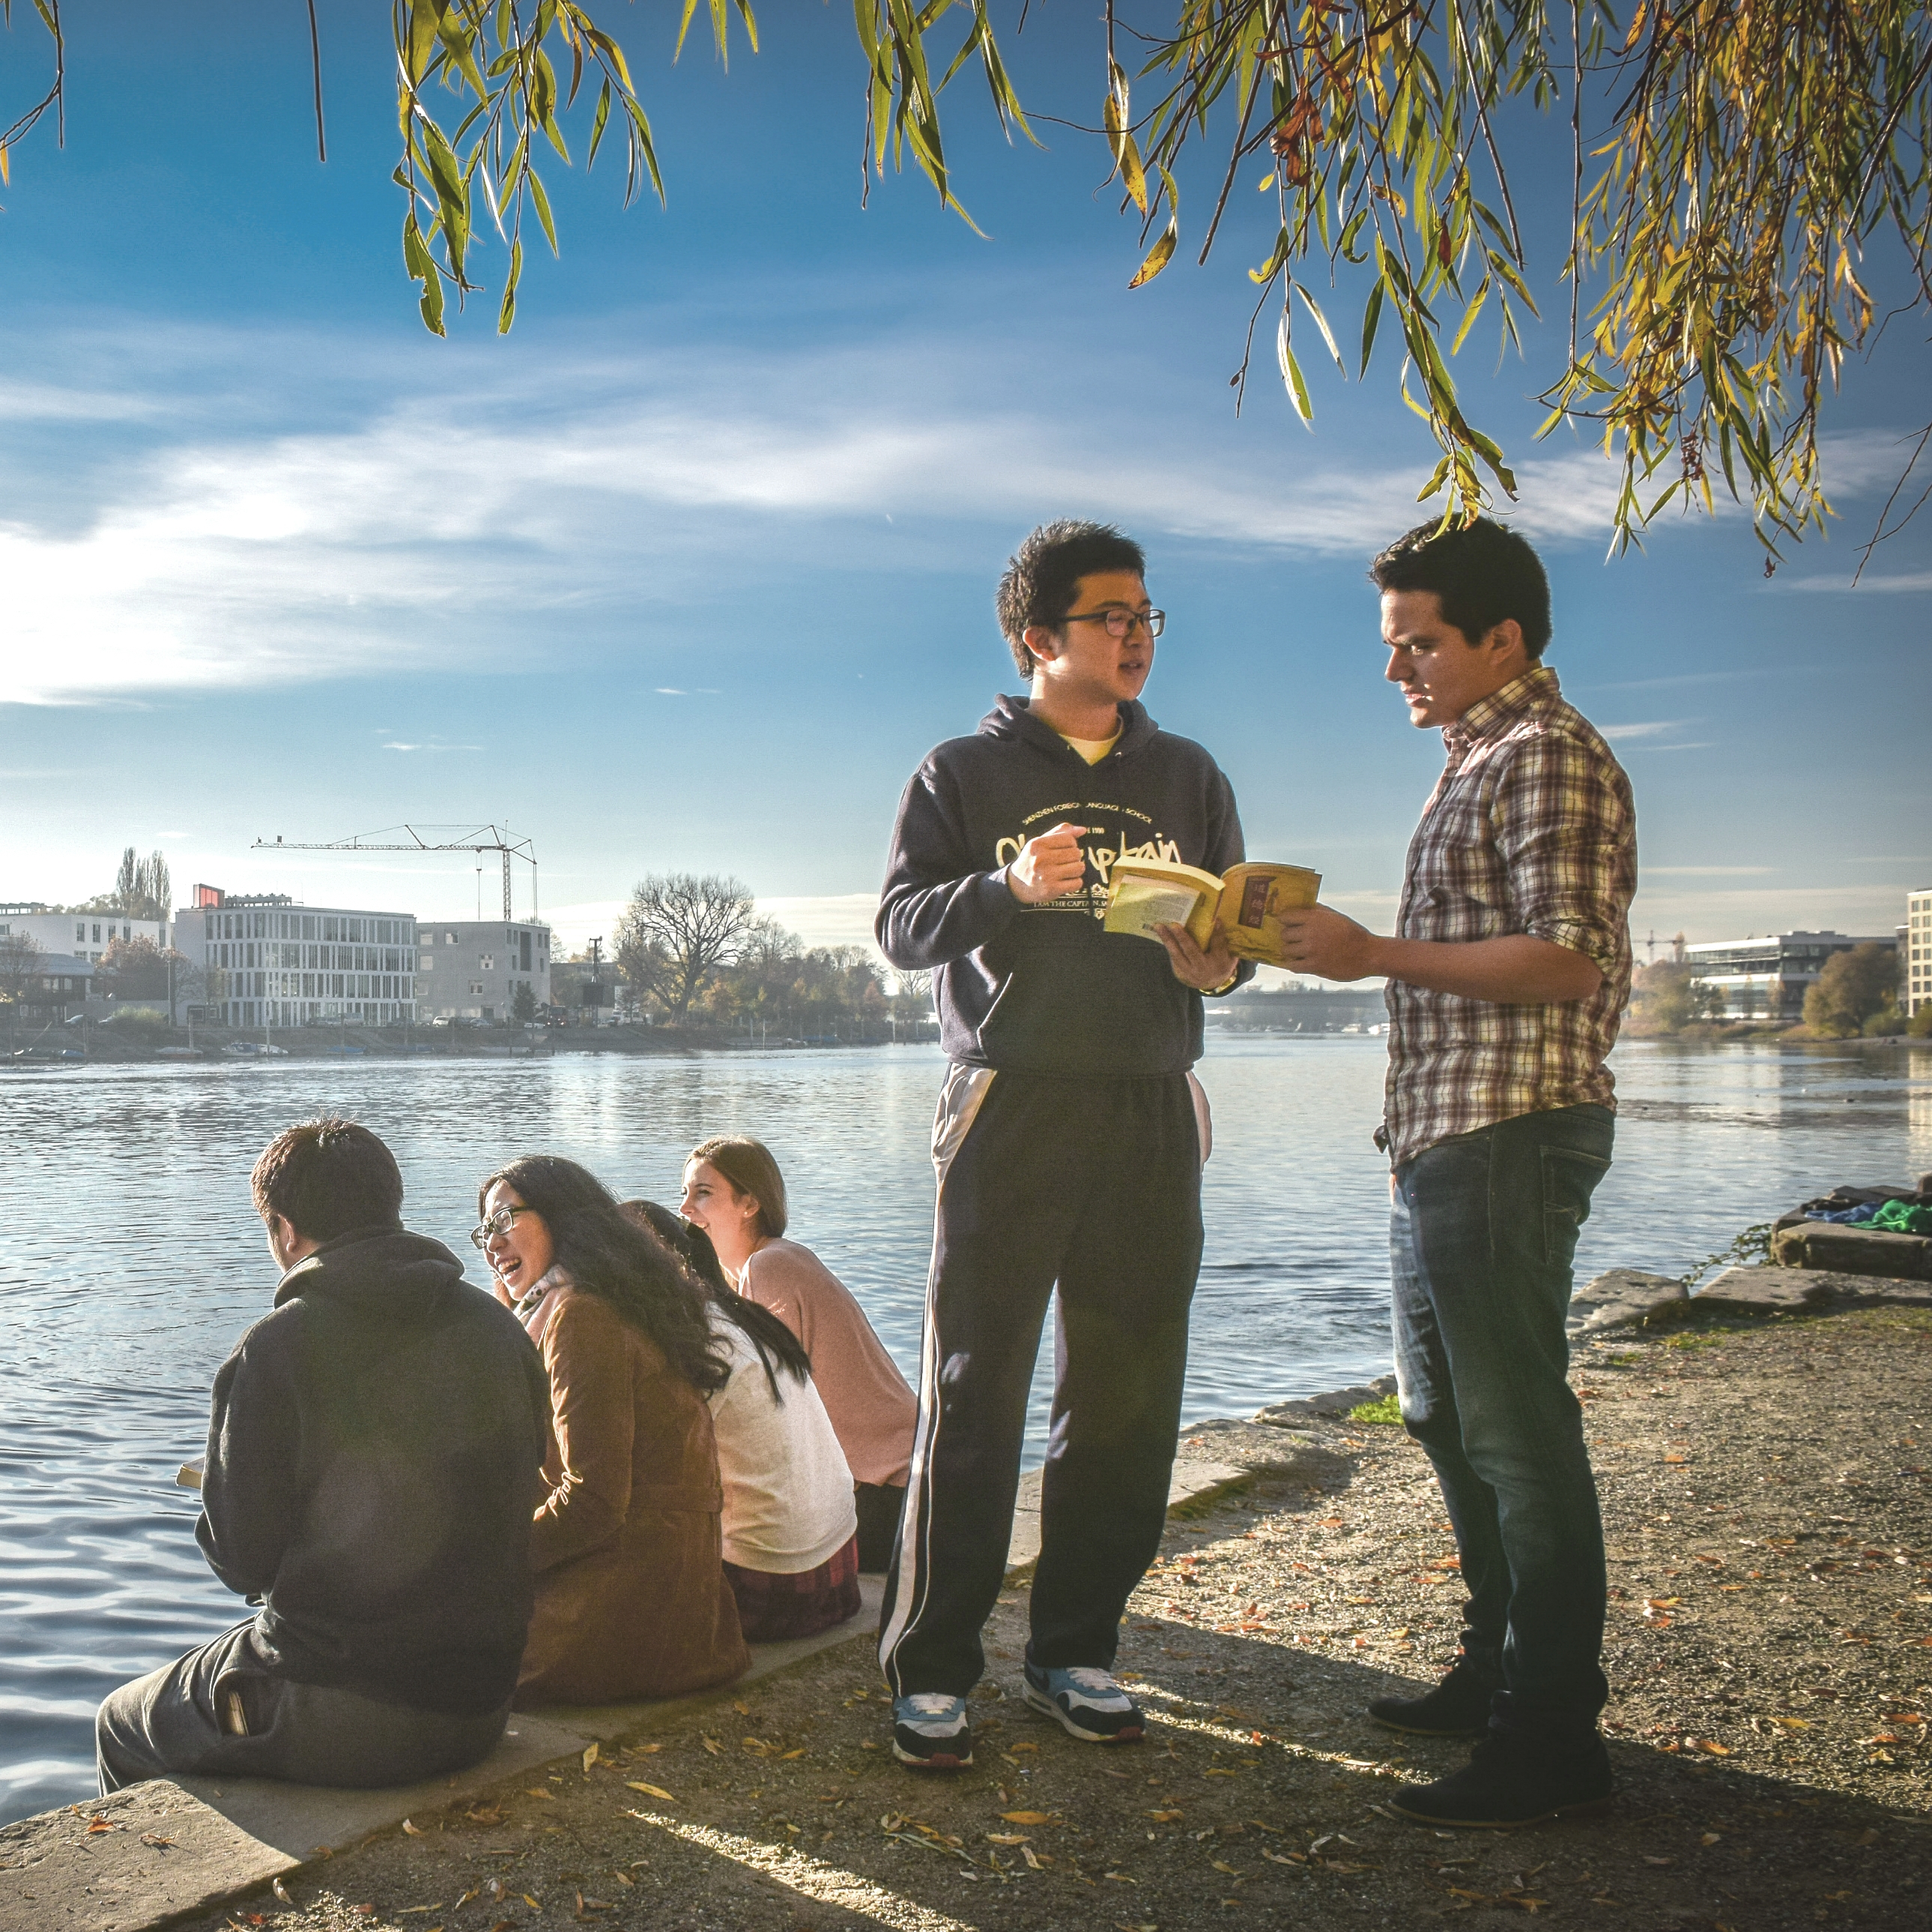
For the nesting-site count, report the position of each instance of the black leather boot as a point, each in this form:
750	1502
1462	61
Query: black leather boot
1528	1767
1458	1707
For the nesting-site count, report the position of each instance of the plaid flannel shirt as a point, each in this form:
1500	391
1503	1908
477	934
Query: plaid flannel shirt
1530	830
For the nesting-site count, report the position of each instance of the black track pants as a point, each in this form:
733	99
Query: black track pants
1095	1186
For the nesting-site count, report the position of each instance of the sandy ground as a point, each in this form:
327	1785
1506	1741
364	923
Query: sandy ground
1769	1646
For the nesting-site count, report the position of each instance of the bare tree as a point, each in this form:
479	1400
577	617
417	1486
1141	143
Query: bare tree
680	929
21	963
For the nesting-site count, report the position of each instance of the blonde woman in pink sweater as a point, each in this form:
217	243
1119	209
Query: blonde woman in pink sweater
733	1190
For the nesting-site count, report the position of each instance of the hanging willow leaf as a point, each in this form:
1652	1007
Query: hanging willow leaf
1290	372
1159	255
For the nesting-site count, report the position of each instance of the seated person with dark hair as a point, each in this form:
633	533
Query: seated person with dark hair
374	1458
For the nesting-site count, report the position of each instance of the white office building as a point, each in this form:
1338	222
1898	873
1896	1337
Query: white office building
270	962
470	969
1916	944
78	935
1767	978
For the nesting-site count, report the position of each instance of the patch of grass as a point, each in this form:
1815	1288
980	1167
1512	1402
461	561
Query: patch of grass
1688	1340
1387	1408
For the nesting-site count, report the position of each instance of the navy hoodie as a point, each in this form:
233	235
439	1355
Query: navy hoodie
1045	989
374	1459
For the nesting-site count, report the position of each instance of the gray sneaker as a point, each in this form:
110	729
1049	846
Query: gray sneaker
1088	1702
930	1731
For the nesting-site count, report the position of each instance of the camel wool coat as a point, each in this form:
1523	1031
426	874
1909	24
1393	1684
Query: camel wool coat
630	1596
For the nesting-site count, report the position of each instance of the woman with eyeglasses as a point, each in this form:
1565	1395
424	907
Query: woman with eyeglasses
734	1192
631	1600
791	1545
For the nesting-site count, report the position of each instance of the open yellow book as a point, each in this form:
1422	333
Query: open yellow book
1247	903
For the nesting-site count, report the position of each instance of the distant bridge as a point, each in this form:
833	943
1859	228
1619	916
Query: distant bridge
1298	1009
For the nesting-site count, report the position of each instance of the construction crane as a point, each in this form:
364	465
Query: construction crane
422	839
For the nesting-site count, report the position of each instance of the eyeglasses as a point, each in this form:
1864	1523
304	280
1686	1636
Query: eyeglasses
1121	623
498	1224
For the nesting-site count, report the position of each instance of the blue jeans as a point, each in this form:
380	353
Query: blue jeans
1482	1234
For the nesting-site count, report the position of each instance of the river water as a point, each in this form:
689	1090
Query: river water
131	1260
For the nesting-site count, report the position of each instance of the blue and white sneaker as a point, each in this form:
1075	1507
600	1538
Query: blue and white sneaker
1089	1703
930	1731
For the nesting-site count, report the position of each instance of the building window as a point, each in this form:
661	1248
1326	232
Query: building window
488	962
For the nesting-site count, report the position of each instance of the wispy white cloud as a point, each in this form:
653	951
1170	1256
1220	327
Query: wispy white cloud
1877	583
396	744
1616	734
1704	871
423	536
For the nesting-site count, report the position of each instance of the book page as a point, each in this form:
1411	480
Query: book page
1138	905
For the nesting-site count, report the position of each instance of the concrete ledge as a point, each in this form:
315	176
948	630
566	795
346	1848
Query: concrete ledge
1622	1298
300	1822
607	1722
1192	1482
1792	1291
1834	1247
145	1856
1325	1407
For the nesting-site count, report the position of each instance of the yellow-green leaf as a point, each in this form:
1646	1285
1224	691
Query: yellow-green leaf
1158	256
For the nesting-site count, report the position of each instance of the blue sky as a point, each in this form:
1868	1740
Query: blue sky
690	570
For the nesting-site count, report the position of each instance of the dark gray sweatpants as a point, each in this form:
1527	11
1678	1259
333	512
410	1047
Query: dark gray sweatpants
181	1718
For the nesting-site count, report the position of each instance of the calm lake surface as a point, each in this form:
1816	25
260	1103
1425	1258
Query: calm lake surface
131	1259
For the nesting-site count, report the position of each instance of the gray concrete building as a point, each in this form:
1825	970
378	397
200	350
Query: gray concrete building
1767	978
470	969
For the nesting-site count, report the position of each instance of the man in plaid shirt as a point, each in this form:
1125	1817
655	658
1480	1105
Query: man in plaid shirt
1508	973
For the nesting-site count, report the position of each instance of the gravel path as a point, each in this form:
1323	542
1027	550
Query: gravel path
1770	1648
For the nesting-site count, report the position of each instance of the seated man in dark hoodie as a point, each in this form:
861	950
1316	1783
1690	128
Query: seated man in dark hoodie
374	1461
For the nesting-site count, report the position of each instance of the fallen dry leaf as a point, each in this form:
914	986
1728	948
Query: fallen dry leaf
282	1892
650	1790
1711	1745
1165	1817
711	1745
100	1824
155	1838
413	1829
1220	1866
1028	1817
538	1791
589	1756
1006	1838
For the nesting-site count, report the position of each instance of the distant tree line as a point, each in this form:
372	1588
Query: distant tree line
694	952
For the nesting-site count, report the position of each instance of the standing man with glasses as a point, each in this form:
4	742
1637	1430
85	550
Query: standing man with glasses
1507	979
1069	1143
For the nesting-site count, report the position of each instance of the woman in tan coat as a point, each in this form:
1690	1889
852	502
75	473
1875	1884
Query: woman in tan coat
631	1600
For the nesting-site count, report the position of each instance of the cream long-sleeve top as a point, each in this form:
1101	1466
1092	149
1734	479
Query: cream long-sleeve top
788	1503
871	1406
